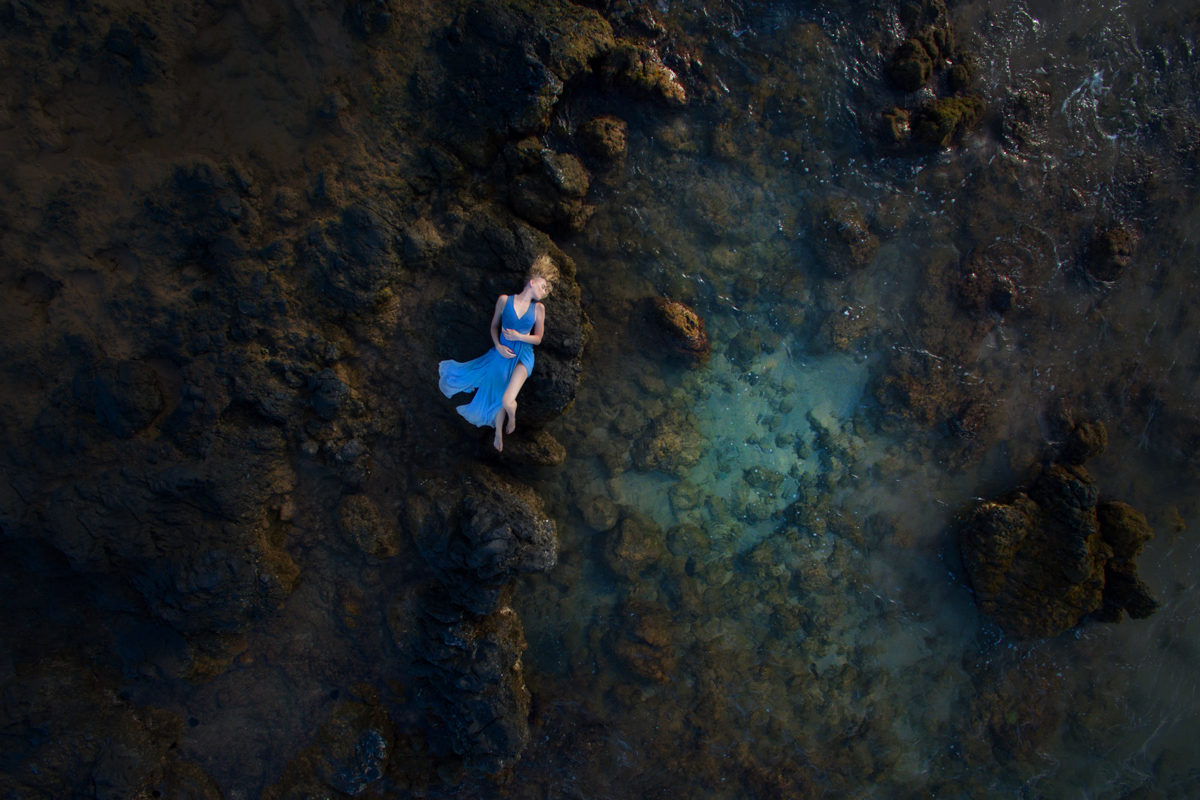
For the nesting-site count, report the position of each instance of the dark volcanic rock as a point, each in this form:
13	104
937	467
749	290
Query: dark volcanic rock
1043	558
640	70
1126	531
604	137
548	187
126	396
636	544
364	526
65	734
470	676
352	258
1111	253
348	755
682	331
840	238
640	639
508	64
537	448
1037	560
944	121
329	392
910	67
480	532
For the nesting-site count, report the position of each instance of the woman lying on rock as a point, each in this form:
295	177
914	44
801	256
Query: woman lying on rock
499	374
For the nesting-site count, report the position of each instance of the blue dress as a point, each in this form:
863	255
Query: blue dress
488	375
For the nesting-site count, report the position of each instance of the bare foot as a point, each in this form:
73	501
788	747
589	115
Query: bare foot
512	418
498	442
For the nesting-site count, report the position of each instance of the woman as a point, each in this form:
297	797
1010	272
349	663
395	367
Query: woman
498	375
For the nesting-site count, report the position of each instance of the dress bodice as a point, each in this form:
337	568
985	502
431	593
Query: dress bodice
509	318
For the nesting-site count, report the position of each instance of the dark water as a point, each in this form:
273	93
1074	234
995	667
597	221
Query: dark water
892	685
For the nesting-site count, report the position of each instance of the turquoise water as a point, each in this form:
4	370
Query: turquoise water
836	648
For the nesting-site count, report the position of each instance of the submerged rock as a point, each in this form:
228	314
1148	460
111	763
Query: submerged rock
1111	253
910	67
640	638
636	544
470	675
603	138
1043	558
840	238
1126	531
944	121
480	532
548	187
682	330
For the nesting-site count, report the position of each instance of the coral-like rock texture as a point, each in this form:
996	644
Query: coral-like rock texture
683	331
1042	559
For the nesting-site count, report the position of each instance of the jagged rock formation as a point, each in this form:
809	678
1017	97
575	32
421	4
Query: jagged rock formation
350	753
469	670
479	532
1043	558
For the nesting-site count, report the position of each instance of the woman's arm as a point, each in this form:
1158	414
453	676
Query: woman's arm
503	349
539	319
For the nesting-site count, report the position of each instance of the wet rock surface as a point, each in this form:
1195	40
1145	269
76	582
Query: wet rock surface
1041	560
681	331
479	533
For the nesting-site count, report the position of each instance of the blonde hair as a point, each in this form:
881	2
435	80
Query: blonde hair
542	267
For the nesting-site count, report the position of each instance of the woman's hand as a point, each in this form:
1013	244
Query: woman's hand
505	351
515	336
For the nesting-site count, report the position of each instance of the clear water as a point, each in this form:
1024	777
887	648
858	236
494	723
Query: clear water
895	686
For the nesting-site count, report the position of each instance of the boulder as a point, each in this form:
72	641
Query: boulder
1126	530
469	674
603	138
639	70
681	331
1043	558
640	638
1111	253
910	67
944	121
1037	559
840	237
549	189
480	532
635	544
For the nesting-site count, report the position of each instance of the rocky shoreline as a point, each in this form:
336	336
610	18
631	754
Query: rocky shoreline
238	237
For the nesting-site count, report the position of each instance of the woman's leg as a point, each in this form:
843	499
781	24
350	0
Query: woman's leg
509	403
498	442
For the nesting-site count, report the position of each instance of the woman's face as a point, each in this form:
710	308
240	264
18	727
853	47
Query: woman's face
540	286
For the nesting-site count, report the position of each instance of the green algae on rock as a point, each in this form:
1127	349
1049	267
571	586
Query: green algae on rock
942	122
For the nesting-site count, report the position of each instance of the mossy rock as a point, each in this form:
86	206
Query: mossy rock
940	123
910	67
